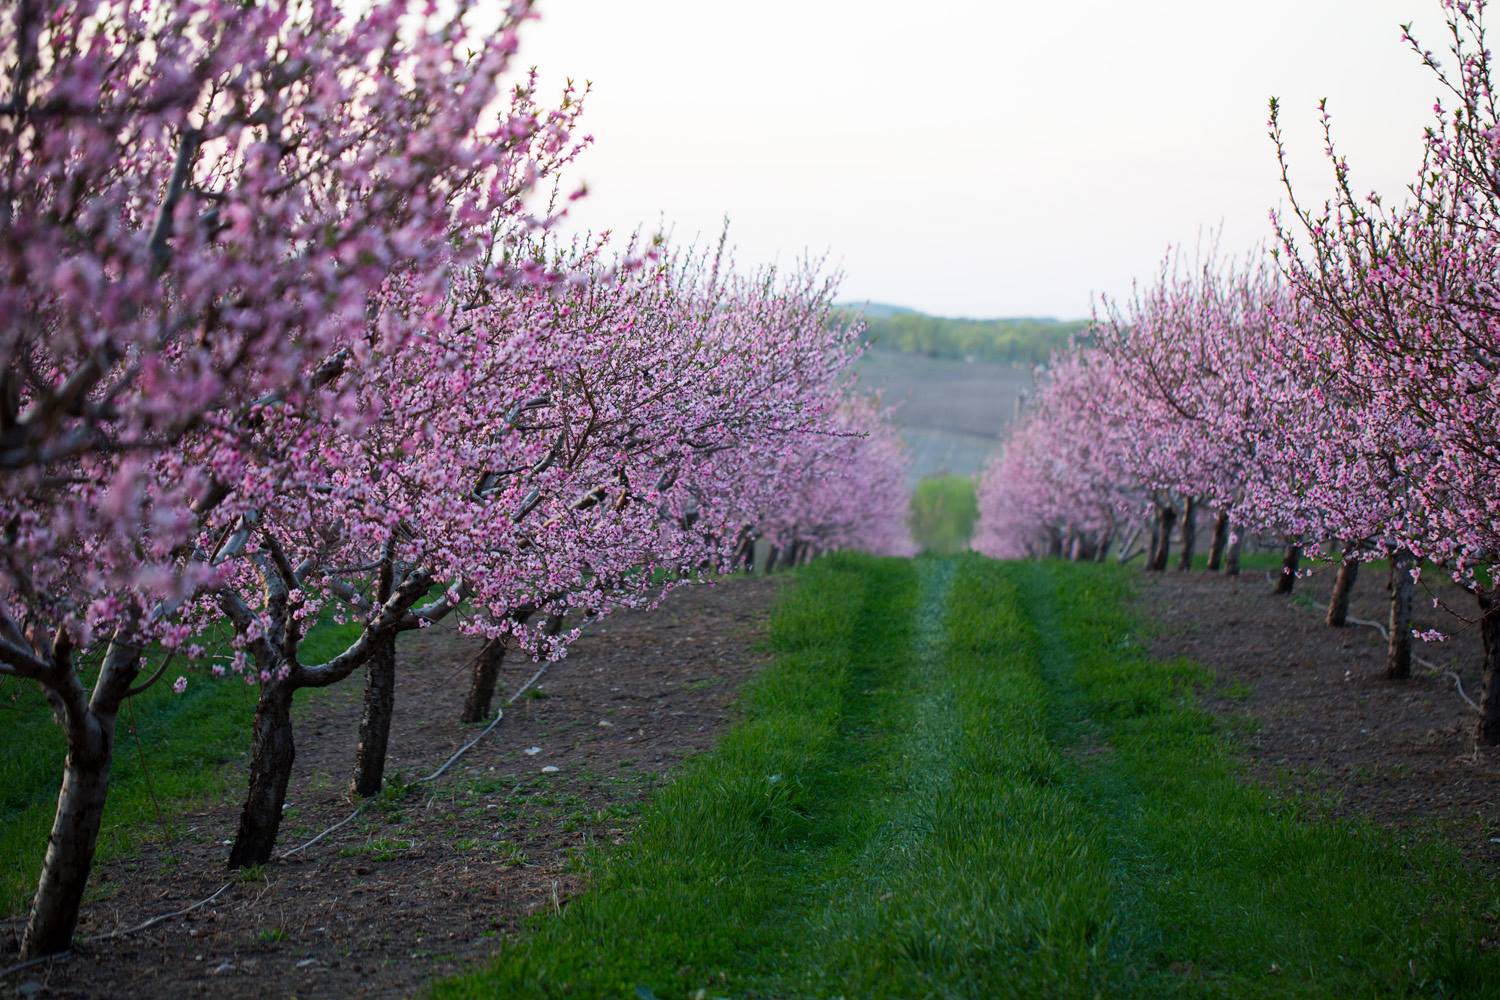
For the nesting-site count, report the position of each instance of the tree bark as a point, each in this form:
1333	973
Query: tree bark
1218	542
375	722
482	680
1343	585
1290	560
1166	517
1398	641
271	757
1232	557
75	834
90	726
1189	534
772	557
1488	731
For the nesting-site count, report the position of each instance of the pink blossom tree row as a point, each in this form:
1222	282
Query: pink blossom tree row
286	341
1340	394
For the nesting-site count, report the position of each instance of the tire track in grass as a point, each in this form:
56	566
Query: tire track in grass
918	841
854	901
986	877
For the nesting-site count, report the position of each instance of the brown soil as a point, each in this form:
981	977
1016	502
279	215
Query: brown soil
1312	706
425	883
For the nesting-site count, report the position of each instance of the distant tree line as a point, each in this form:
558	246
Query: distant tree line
1016	341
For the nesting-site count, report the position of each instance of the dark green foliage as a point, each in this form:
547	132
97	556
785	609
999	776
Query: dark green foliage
1022	340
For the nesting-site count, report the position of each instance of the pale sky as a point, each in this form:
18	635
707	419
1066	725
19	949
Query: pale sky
971	158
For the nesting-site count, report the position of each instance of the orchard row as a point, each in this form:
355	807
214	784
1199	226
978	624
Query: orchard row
288	340
1340	394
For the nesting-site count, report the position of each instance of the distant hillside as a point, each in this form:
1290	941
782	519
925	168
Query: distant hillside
1020	340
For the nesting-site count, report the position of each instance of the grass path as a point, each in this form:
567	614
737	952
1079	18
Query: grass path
962	778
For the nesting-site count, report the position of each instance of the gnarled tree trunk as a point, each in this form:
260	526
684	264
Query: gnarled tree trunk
1290	560
1398	639
1217	543
271	757
1189	534
1343	585
375	722
90	726
75	833
1488	732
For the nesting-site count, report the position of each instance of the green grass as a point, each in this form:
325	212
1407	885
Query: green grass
170	750
963	778
1225	889
943	512
715	874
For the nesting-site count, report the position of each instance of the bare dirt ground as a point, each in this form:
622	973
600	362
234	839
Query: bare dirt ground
430	878
1314	711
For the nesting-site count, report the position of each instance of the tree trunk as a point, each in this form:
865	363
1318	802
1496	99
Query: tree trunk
1398	642
1232	556
1488	732
271	756
1166	517
1055	545
75	833
1343	585
482	680
1219	541
1189	534
1290	559
772	556
375	723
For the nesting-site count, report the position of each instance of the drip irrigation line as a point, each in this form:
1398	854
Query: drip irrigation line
1458	684
61	956
162	918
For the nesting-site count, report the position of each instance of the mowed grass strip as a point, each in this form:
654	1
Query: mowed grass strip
992	878
943	512
1008	798
1225	888
931	849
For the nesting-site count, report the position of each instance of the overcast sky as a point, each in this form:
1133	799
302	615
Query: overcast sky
995	158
